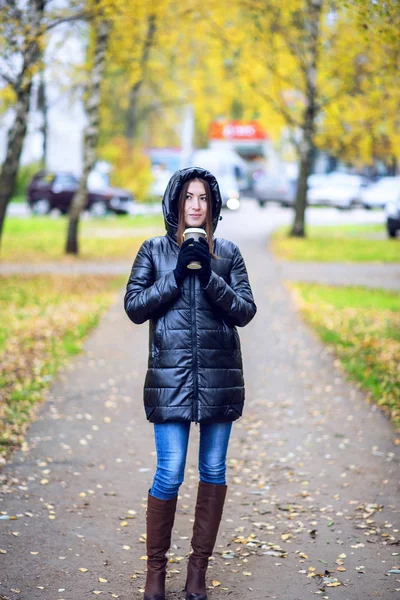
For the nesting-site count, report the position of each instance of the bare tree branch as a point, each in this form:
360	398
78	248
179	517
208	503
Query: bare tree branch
82	16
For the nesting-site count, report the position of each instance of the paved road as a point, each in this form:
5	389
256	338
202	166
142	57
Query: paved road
252	221
312	472
21	209
384	275
367	274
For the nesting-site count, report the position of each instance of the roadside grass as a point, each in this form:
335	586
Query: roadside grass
40	239
20	199
44	320
362	325
333	243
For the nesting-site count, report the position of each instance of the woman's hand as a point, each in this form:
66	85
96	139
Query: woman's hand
204	257
186	254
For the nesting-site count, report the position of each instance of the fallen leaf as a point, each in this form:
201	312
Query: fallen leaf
360	569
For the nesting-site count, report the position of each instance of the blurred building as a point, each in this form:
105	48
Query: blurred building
246	138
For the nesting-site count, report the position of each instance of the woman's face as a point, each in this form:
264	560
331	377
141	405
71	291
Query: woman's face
195	204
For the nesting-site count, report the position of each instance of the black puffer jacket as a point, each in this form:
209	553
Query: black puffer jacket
195	363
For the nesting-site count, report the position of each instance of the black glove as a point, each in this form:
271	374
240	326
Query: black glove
186	254
204	257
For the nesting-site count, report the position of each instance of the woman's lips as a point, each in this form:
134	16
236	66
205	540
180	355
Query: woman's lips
195	216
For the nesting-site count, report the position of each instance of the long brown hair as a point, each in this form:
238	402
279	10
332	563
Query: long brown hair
208	226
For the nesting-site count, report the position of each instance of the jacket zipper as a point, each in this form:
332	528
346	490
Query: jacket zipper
195	411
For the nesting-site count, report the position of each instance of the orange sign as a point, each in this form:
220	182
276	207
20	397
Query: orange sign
236	130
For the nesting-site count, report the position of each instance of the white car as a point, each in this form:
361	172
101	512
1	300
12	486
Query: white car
161	179
317	180
274	187
380	193
342	190
227	168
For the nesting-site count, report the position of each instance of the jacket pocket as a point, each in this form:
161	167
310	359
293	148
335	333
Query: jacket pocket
235	339
232	340
228	337
156	343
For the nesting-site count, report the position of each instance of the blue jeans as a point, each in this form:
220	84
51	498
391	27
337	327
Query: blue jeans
171	445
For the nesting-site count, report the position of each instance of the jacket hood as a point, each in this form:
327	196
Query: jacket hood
171	197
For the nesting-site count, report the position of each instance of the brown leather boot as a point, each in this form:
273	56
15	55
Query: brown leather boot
209	507
160	517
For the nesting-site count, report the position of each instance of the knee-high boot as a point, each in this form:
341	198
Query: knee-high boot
160	517
208	513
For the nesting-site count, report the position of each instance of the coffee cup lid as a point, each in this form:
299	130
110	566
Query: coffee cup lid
194	230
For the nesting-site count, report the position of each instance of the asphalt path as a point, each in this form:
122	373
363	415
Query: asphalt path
255	222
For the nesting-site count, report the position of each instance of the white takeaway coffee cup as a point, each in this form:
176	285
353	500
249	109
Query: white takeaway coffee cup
194	233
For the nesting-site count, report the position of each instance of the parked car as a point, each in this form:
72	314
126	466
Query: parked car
161	177
342	190
227	166
55	189
318	180
271	187
380	193
392	211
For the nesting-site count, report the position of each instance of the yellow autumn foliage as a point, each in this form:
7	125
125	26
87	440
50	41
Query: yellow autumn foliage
131	166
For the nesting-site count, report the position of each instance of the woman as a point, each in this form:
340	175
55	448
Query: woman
194	368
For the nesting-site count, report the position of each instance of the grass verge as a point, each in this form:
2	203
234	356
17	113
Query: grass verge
344	243
41	239
43	321
363	327
19	199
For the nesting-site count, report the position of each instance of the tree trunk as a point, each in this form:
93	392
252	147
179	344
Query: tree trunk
131	121
15	142
79	200
42	107
306	157
313	20
22	86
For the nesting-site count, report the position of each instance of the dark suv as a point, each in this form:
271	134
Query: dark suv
55	189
